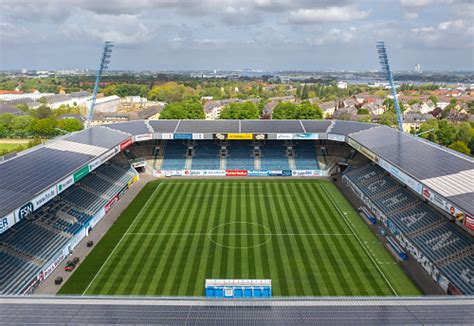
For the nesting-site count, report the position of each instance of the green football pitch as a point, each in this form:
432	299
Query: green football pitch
302	234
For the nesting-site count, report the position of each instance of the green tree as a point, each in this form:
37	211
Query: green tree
284	110
305	92
388	118
44	127
6	121
244	110
433	99
44	112
464	132
390	105
461	147
428	125
70	125
183	110
21	126
446	133
292	111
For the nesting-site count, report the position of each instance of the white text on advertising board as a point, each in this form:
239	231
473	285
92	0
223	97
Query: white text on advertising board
6	222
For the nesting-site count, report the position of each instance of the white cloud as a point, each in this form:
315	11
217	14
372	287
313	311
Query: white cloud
460	8
122	29
447	34
11	33
329	14
334	36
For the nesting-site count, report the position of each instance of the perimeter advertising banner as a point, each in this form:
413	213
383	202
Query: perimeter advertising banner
336	137
284	136
94	164
306	136
143	137
7	222
236	173
167	136
198	136
439	201
64	184
469	222
239	136
403	177
183	136
125	144
81	173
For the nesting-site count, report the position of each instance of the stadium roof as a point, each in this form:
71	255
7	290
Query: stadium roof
281	311
448	173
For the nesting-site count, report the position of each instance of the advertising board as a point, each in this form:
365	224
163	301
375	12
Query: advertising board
469	222
111	203
143	137
336	137
167	136
94	165
81	173
307	173
284	136
198	136
403	177
64	184
125	144
258	173
236	173
36	203
239	136
305	136
183	136
7	222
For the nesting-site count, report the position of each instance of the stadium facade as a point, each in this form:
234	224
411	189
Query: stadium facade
54	194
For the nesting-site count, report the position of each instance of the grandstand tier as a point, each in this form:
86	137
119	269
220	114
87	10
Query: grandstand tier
449	250
53	193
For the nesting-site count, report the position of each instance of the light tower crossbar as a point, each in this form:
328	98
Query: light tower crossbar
104	61
384	63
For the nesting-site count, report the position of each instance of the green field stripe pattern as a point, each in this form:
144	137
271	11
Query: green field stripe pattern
172	238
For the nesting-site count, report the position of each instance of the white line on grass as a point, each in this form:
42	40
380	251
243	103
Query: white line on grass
358	239
123	236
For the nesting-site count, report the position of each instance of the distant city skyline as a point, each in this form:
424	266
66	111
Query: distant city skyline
270	35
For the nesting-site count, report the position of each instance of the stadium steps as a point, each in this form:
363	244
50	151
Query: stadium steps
223	162
189	162
12	251
426	229
46	226
455	256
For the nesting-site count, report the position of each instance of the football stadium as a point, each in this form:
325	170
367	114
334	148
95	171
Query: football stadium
215	210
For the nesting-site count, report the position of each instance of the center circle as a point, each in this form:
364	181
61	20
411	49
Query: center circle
248	234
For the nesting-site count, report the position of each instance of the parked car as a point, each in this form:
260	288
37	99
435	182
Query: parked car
69	268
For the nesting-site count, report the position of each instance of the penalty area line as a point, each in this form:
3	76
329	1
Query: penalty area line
137	217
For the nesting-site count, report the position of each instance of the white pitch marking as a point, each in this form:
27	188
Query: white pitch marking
358	239
123	236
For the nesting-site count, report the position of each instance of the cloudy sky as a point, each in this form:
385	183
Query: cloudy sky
235	34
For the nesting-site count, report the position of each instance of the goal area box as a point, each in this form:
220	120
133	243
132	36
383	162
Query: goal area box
231	289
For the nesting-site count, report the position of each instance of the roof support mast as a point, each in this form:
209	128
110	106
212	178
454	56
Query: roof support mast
104	61
383	59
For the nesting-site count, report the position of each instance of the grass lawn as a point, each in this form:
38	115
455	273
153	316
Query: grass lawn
302	234
11	146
